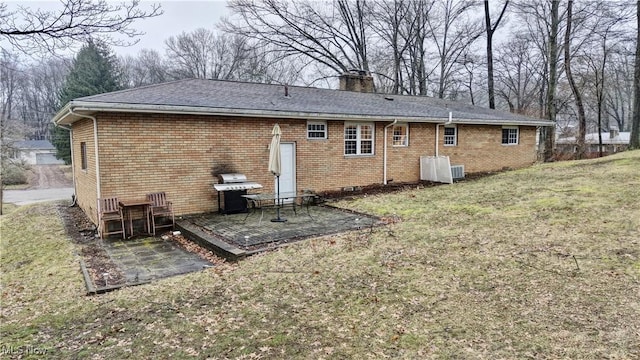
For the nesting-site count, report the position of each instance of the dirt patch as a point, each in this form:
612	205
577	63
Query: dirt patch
373	189
50	177
83	233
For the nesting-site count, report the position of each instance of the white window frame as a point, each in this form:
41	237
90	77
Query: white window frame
398	140
325	131
84	160
450	140
359	139
509	138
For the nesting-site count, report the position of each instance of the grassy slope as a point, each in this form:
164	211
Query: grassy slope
542	263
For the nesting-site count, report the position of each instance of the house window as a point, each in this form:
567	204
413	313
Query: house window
358	139
401	135
450	136
510	135
83	155
316	130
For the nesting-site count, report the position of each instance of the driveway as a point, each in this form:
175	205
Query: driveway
48	183
24	197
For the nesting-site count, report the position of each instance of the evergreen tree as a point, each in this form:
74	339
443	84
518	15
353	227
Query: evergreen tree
95	70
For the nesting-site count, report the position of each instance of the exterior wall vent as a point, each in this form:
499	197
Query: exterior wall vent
457	172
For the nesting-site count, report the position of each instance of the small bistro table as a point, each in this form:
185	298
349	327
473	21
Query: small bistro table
128	206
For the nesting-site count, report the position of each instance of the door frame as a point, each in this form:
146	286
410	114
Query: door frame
293	164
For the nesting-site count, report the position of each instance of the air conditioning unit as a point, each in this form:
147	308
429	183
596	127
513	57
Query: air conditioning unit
457	172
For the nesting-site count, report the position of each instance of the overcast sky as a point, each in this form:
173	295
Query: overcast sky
178	16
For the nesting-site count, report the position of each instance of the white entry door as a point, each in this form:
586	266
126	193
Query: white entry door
288	173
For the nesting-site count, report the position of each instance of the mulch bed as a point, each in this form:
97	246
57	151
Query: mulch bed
83	233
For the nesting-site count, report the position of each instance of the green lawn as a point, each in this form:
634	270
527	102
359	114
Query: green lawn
538	263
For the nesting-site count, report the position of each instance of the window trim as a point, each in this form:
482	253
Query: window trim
358	138
326	130
455	135
406	136
84	164
509	143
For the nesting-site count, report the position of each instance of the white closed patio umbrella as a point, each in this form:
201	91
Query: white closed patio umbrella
275	166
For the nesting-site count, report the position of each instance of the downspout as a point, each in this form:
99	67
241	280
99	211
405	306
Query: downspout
73	168
384	155
95	142
448	122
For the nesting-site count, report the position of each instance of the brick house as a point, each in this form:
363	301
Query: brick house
168	137
613	141
35	152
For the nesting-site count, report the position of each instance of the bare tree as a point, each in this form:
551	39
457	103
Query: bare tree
417	33
388	23
147	68
491	29
542	19
608	28
334	34
548	133
32	30
634	141
10	77
452	34
204	54
38	100
518	74
619	91
582	120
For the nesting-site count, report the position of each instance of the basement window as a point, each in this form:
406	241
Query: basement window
450	136
401	135
83	155
316	130
510	135
358	139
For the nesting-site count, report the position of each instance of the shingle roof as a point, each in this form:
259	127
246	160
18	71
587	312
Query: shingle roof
253	99
34	144
592	138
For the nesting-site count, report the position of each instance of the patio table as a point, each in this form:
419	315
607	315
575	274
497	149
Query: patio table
129	205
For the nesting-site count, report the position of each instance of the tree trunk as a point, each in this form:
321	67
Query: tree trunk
490	30
547	133
582	121
634	142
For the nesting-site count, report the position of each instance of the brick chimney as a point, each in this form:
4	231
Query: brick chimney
357	80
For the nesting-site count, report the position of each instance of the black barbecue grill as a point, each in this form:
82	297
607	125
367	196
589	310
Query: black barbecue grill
230	189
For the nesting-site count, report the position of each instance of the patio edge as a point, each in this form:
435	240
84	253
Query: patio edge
208	241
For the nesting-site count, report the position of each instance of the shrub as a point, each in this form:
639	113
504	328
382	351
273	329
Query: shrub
14	174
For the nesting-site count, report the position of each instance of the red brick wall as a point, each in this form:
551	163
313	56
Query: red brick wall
142	153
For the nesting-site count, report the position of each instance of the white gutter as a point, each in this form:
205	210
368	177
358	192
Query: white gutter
195	110
384	155
448	122
95	142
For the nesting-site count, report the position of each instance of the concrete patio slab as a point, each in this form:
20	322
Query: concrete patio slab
148	258
238	235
